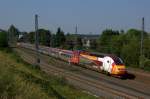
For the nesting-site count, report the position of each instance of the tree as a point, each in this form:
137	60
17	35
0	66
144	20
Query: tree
93	44
135	33
78	44
53	41
13	35
105	40
130	52
70	40
117	43
3	39
125	45
44	37
31	37
60	37
146	48
13	31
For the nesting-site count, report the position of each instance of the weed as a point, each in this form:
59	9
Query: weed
20	80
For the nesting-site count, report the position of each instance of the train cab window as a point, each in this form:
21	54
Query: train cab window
118	61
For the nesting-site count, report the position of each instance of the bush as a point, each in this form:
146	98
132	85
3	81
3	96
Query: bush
3	39
147	63
7	88
18	80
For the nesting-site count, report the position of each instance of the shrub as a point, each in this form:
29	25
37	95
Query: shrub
3	39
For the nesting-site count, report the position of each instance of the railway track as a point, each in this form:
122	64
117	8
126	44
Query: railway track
100	87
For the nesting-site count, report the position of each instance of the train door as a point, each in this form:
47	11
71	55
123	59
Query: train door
75	57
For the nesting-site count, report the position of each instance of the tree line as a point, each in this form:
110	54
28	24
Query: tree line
126	45
123	44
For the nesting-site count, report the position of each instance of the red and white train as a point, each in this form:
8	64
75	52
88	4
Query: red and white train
108	63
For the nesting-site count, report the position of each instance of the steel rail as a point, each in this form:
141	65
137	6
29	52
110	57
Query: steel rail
81	79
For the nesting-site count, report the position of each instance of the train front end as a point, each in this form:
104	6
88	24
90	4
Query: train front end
118	68
119	71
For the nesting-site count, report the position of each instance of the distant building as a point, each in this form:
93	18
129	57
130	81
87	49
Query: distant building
87	40
20	36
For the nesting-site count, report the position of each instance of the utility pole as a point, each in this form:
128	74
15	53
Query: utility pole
76	30
141	47
37	40
76	34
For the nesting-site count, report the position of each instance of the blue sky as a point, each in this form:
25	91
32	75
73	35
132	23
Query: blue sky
90	15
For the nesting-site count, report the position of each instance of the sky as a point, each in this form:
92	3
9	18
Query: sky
90	16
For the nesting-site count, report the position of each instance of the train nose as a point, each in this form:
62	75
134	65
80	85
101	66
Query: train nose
121	69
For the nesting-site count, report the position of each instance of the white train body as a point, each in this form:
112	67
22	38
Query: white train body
110	64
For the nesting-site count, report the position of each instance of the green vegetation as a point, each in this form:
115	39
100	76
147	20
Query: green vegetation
19	80
14	32
3	39
123	44
73	42
44	37
13	36
127	46
60	38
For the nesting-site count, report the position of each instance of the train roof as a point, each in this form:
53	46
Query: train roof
103	55
98	54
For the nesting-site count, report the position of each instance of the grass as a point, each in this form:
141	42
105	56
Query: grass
20	80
